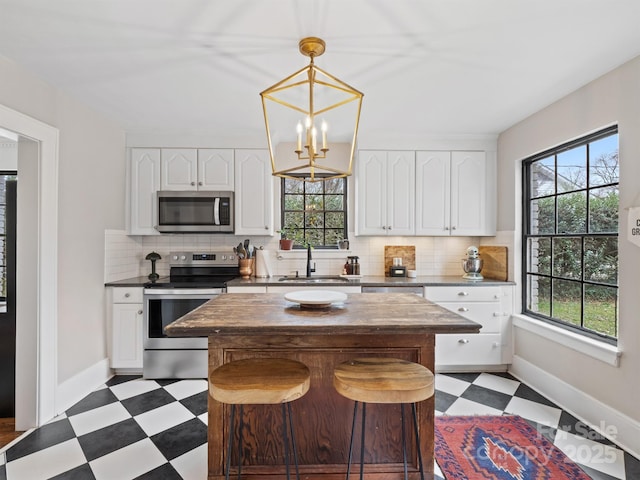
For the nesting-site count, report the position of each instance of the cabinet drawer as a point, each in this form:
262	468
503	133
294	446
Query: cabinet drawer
127	295
471	349
486	314
463	294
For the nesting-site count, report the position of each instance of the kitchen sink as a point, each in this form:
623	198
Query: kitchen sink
314	279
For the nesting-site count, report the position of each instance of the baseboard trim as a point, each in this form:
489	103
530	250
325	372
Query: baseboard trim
581	405
80	385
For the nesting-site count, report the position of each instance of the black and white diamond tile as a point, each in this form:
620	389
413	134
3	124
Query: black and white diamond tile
157	430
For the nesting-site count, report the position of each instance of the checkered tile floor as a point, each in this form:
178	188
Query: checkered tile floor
151	429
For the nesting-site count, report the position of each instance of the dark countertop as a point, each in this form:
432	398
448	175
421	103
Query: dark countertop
129	282
375	281
366	280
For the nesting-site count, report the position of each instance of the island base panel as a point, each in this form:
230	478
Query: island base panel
322	418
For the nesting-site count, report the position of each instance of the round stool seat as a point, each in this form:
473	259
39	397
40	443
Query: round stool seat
383	380
259	381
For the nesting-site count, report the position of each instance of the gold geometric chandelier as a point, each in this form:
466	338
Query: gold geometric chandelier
312	121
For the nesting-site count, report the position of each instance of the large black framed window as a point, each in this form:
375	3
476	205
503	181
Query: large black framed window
570	240
314	213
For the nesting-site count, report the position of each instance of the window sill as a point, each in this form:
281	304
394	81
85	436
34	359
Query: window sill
599	350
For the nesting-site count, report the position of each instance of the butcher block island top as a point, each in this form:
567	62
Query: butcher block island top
361	313
397	325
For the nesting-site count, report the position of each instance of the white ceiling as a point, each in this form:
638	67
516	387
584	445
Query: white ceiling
426	67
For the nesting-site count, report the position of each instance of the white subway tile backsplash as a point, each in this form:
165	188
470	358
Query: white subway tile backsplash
125	255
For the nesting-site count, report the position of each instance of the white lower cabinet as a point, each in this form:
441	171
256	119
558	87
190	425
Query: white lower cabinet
126	328
491	307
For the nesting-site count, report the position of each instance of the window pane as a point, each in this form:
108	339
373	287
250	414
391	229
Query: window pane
293	202
572	213
314	237
567	257
335	185
567	301
539	256
294	220
313	202
603	161
335	220
600	309
601	260
539	294
293	186
543	217
332	236
603	210
313	220
334	202
543	177
572	169
313	187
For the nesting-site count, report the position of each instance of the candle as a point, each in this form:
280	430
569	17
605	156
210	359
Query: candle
299	130
324	135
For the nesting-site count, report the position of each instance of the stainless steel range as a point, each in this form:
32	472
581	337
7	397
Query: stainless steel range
194	278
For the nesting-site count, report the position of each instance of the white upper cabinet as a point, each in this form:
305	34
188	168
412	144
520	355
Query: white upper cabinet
216	169
253	193
197	169
385	192
433	193
455	193
145	182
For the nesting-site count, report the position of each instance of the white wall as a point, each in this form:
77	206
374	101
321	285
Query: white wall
91	181
613	98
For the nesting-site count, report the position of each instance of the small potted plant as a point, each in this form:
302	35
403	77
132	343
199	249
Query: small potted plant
286	243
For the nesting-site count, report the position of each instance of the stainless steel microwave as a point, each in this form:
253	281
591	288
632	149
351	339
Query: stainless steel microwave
195	212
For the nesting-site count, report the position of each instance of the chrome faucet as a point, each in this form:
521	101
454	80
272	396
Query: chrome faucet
309	269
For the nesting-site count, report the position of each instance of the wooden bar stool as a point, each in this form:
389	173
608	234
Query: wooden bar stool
260	381
383	380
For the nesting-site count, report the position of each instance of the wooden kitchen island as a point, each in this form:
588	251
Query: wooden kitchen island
367	324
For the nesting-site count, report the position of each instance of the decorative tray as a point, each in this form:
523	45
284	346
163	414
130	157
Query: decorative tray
315	298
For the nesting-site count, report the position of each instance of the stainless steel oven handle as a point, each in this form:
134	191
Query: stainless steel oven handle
182	292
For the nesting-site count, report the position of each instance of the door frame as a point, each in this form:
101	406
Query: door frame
36	354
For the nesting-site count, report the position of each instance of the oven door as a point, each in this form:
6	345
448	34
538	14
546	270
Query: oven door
163	306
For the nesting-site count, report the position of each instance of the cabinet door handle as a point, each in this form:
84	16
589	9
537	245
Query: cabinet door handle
446	228
497	314
464	309
453	228
463	294
384	227
200	183
464	341
193	184
389	227
127	295
266	227
139	312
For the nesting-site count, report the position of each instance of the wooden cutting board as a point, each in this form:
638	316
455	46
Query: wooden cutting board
406	252
494	262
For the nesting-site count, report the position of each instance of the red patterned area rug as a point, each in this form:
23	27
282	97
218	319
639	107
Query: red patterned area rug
498	448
